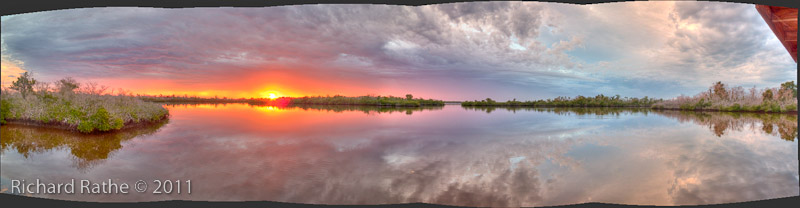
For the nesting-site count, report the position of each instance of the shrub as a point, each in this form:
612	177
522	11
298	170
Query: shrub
719	97
85	112
101	120
792	107
24	84
5	110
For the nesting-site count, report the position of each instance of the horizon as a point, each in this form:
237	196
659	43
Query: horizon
450	52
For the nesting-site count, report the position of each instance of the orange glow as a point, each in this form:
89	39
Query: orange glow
274	84
270	94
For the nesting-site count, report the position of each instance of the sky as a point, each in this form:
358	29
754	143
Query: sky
455	51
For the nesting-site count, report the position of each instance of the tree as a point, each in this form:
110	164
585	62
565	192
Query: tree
409	96
24	84
788	86
41	87
767	95
719	90
94	88
67	85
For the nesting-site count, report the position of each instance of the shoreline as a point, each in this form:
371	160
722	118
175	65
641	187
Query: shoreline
725	111
297	104
499	106
651	108
74	128
370	105
553	106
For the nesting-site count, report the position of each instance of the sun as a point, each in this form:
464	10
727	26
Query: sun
271	94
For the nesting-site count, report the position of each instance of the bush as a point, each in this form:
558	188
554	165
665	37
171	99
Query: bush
792	107
81	111
5	110
722	98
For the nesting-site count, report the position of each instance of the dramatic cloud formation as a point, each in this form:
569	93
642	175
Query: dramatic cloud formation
454	51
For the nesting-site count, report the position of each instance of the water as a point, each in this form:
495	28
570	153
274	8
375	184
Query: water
444	155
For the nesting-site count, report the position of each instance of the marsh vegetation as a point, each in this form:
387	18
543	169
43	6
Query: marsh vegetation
578	101
381	101
176	99
367	109
408	101
580	111
71	105
720	97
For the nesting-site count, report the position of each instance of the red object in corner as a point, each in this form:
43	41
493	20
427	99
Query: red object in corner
783	22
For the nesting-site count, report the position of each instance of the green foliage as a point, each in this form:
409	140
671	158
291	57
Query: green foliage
24	84
5	110
84	112
792	107
788	90
734	107
101	120
790	86
702	104
767	95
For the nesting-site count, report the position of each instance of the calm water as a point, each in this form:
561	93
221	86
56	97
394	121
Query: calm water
445	155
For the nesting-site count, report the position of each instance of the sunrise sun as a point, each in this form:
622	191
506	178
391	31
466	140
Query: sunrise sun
270	94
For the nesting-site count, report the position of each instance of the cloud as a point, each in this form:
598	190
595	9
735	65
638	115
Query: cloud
10	67
687	44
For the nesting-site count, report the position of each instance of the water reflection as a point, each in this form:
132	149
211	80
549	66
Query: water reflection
776	124
784	125
364	109
86	149
566	111
322	108
449	155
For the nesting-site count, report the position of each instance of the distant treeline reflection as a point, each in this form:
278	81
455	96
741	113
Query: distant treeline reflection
599	111
87	149
365	109
368	109
783	125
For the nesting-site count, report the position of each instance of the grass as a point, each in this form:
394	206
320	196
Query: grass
735	99
579	101
81	111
